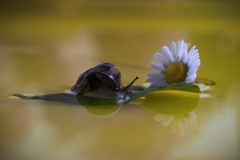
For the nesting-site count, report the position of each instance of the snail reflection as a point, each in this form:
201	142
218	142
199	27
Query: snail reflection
98	106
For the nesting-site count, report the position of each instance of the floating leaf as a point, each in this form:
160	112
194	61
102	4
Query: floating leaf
181	87
23	96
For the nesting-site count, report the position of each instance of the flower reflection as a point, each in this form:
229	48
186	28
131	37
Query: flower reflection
185	124
175	109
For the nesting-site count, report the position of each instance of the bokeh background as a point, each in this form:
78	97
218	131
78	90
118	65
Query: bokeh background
45	45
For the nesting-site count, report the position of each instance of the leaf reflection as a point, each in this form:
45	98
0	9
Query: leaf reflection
97	106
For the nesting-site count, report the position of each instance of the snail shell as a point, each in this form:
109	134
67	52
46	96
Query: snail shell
104	77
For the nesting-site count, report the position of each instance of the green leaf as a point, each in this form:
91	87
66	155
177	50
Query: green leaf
22	96
181	87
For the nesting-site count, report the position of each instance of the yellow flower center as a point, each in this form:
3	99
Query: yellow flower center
176	72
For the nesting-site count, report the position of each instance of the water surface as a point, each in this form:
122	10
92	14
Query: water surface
44	50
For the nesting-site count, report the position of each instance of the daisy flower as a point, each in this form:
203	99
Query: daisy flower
183	125
176	65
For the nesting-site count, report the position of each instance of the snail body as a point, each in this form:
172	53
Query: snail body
104	77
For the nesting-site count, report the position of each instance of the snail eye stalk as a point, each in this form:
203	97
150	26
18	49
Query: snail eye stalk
127	88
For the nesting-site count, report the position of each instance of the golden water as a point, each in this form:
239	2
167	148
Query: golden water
44	48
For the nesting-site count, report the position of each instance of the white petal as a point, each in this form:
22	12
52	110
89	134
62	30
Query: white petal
159	117
191	62
192	52
184	53
153	79
174	50
193	76
193	124
195	65
167	120
160	75
159	83
168	54
162	59
191	72
190	79
193	57
174	126
179	126
179	50
153	74
192	114
185	124
157	66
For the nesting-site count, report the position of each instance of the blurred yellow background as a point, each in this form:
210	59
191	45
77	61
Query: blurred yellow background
45	45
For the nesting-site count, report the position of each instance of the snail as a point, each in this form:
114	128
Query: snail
102	81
